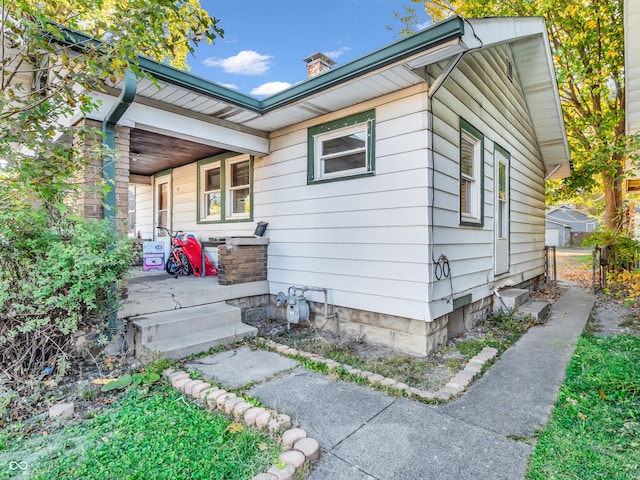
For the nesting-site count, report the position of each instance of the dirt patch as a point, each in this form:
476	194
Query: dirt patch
430	372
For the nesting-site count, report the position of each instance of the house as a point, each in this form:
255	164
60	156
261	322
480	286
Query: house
406	185
632	75
566	226
632	91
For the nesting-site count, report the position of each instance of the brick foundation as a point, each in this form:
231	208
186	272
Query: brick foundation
242	260
254	309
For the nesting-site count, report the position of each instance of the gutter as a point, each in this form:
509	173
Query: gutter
125	99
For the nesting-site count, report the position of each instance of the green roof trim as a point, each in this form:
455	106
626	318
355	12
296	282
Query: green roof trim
185	79
424	40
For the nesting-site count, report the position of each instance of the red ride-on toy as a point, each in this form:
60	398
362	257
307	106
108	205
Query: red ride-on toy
178	262
192	249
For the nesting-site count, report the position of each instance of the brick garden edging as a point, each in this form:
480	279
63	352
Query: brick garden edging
300	448
456	385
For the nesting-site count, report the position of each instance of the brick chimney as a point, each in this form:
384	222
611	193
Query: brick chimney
318	63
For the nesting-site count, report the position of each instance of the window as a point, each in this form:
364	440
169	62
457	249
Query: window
225	188
342	149
212	195
239	189
502	228
471	175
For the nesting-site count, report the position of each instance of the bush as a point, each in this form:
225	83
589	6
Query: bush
625	251
55	280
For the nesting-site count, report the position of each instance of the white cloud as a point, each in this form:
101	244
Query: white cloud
247	62
229	85
336	53
270	88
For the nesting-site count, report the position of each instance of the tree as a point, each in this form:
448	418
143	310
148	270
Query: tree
587	44
56	267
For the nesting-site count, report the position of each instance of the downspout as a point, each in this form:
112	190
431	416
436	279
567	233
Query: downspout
125	99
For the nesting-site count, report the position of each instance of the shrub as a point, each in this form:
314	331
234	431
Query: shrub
55	279
625	251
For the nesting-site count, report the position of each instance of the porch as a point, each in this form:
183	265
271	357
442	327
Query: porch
181	316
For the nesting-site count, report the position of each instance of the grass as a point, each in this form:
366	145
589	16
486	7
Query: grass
594	431
157	434
503	331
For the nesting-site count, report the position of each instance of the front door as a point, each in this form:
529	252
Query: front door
502	211
162	205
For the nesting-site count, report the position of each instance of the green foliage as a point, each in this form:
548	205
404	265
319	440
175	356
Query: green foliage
594	431
157	435
134	380
158	363
54	281
57	271
625	251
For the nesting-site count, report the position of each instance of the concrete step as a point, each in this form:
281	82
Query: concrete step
535	311
198	342
512	298
169	324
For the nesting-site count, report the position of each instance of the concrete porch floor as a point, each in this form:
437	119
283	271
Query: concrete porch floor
156	291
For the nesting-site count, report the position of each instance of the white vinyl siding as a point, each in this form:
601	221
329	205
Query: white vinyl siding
480	92
364	238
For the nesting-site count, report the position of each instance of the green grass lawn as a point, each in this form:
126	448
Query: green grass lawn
157	434
594	431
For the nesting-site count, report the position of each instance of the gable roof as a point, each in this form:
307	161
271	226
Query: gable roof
566	213
386	70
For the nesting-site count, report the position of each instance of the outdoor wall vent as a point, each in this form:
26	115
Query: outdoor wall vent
509	70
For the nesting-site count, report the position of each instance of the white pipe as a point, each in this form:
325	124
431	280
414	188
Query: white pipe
326	302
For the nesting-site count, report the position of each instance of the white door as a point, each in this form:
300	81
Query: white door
162	206
502	211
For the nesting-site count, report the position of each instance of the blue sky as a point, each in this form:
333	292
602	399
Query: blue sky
266	41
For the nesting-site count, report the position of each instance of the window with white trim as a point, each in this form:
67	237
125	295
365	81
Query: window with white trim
211	194
342	148
225	189
471	174
238	188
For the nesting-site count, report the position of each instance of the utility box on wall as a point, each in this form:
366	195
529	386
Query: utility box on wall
152	256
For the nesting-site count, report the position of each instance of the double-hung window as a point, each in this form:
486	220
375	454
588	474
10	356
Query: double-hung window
238	188
471	175
342	148
225	189
211	192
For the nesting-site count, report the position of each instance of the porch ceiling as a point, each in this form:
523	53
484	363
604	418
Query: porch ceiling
151	152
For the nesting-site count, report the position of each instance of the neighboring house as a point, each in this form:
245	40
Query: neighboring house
409	182
557	234
579	225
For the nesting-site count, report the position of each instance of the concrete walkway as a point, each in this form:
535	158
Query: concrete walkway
366	434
